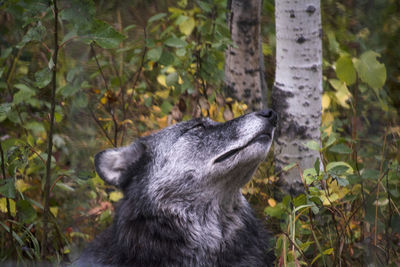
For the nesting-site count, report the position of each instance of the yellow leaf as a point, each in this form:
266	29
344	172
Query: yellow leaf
163	93
326	101
21	185
204	112
187	26
170	69
127	121
54	211
156	109
103	100
213	111
272	202
180	81
163	121
161	79
342	92
3	206
266	49
115	196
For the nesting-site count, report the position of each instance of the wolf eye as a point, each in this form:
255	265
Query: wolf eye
196	126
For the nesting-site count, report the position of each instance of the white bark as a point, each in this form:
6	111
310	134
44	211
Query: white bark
297	91
244	64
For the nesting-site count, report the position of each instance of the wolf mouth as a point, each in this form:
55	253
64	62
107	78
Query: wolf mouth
259	137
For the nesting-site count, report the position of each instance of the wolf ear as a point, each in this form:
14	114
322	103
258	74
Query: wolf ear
111	164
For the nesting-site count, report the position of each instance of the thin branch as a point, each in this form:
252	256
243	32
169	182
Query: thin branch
98	65
101	127
3	169
46	209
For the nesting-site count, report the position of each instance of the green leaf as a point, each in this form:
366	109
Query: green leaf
370	70
166	107
43	77
167	58
156	17
104	35
154	54
340	149
81	100
25	93
65	187
7	189
288	167
345	70
4	109
331	140
310	175
300	200
335	164
313	145
79	13
187	26
35	127
317	166
36	33
26	213
370	174
276	211
338	170
85	175
175	42
171	78
68	90
206	7
180	52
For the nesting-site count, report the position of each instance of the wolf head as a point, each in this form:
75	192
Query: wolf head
194	158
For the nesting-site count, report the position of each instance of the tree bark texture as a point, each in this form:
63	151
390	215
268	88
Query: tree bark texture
297	91
244	62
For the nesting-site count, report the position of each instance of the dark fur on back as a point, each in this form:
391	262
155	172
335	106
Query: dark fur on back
182	203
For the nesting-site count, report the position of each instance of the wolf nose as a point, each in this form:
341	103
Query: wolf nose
270	115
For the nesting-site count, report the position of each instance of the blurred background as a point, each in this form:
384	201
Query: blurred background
128	68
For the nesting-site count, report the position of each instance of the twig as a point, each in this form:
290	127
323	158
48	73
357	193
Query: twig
3	169
56	181
46	209
101	127
377	191
98	65
106	86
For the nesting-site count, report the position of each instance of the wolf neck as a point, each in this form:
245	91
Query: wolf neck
203	225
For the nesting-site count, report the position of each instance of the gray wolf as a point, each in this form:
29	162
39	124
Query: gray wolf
182	203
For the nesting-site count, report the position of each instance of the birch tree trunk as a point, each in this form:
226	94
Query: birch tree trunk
244	64
297	91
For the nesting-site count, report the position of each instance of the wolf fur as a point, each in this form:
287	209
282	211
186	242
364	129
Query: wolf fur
182	203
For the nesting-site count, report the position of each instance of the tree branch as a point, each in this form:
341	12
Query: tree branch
46	210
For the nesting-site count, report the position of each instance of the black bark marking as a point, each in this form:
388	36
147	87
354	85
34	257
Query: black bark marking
294	130
247	93
251	71
301	40
314	68
291	12
310	10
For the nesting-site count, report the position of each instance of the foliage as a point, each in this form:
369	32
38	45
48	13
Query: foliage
348	212
120	78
